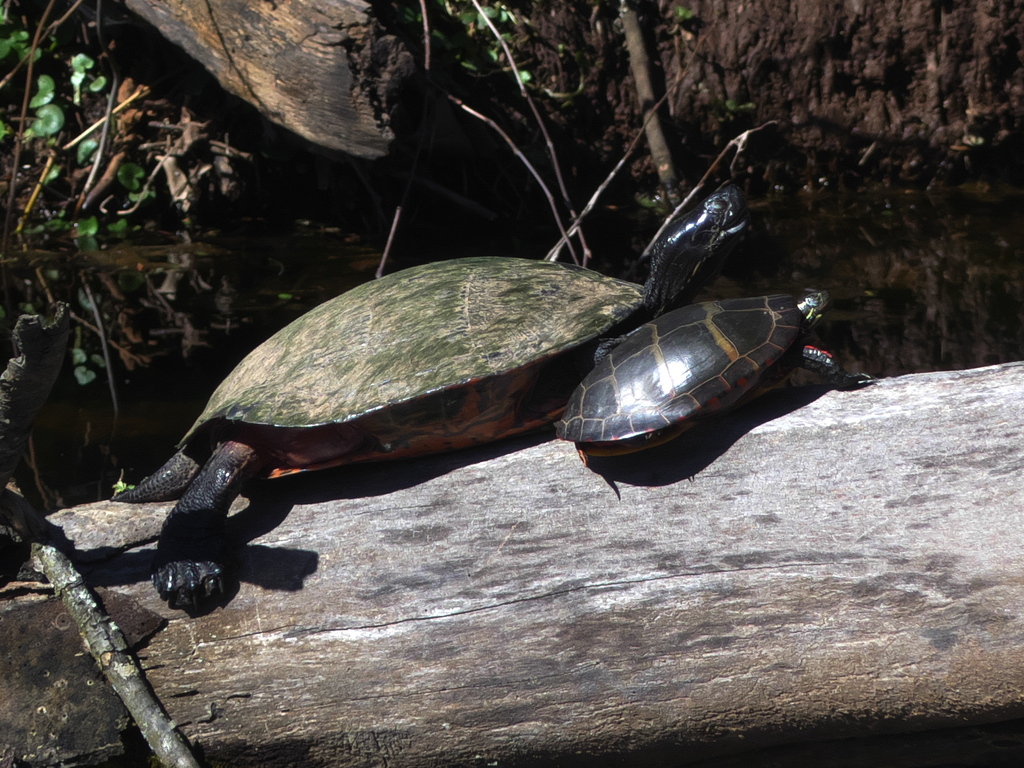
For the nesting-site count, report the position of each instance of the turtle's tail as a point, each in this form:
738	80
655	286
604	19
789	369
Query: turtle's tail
166	484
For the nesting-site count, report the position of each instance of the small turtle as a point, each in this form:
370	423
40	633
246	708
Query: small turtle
694	362
431	359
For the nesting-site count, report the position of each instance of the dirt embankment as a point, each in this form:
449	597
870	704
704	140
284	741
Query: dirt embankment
873	89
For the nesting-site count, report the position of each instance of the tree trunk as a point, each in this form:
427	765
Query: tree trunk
324	70
819	565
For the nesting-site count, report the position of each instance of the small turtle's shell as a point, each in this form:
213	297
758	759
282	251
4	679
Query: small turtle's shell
681	366
422	360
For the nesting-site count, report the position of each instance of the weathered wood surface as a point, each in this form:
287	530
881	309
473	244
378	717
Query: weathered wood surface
325	70
853	566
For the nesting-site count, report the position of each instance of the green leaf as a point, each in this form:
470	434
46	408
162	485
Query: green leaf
97	85
44	91
525	76
88	227
139	197
131	175
88	243
84	375
119	229
82	63
52	176
98	361
84	300
86	150
78	356
49	120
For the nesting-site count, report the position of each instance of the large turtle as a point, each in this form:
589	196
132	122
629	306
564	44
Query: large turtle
430	359
693	362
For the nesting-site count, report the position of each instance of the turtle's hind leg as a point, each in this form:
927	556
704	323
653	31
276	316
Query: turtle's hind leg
166	484
188	565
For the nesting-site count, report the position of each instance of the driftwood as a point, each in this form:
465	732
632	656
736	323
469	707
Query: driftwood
325	70
840	564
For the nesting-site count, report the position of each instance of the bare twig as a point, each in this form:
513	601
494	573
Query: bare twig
557	249
426	37
739	143
126	353
140	92
387	248
49	30
35	193
103	345
518	153
108	646
19	140
640	65
145	187
552	154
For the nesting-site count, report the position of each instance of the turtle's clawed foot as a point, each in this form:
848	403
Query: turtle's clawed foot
188	583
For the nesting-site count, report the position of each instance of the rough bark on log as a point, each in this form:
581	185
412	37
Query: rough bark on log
840	564
324	70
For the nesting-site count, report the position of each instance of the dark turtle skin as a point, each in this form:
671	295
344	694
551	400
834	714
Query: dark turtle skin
694	362
431	359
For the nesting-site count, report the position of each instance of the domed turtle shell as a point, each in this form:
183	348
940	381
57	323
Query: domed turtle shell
682	366
435	357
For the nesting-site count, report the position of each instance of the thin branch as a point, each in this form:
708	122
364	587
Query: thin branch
109	647
103	345
529	166
387	247
19	140
140	92
35	193
557	249
49	31
552	154
739	143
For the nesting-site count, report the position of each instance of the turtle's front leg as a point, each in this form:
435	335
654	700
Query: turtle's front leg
189	561
824	363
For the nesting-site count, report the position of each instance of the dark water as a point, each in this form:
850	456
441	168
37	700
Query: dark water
921	282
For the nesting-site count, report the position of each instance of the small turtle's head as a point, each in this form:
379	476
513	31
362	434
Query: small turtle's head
691	251
815	306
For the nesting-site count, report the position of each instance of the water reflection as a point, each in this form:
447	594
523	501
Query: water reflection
921	282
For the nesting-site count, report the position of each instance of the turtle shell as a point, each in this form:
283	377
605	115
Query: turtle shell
439	356
682	366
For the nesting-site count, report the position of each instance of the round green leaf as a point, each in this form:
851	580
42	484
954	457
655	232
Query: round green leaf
44	92
86	150
131	175
49	120
88	227
51	177
81	63
78	356
84	375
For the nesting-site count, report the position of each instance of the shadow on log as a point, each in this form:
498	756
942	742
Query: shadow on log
850	568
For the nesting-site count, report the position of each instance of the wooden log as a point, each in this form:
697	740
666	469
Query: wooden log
324	70
819	565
